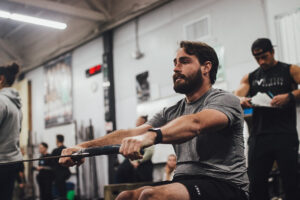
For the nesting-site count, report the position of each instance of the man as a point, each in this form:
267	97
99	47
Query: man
45	175
205	128
273	134
61	173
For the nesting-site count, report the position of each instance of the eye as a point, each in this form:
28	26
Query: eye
264	57
185	60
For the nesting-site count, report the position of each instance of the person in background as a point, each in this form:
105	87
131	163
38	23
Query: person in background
273	133
61	173
131	171
170	168
19	193
10	128
45	175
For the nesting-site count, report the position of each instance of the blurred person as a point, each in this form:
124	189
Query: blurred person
169	169
19	193
45	176
132	171
61	173
10	128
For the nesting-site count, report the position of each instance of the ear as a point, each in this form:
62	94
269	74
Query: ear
206	68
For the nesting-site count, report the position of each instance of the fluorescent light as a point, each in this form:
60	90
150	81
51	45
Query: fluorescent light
32	20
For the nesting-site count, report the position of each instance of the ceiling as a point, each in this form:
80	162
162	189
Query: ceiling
33	45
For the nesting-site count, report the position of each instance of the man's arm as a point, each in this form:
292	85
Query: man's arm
295	73
177	131
242	92
115	137
282	99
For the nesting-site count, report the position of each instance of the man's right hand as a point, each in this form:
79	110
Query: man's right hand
67	161
245	102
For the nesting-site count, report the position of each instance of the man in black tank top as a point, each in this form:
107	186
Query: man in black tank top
273	134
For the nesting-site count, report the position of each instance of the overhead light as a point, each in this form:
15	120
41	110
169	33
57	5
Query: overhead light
32	20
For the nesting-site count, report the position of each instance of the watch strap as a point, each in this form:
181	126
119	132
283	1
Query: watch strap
159	136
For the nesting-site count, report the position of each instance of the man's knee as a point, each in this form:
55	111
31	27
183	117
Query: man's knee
125	195
147	194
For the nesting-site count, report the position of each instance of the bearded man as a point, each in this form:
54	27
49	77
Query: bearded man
205	129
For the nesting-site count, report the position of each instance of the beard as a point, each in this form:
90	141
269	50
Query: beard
189	85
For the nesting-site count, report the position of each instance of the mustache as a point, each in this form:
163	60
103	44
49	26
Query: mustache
177	75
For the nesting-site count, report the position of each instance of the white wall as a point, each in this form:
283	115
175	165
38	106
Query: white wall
86	103
235	25
278	7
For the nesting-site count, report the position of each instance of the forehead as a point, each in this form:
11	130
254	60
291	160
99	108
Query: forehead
261	55
181	53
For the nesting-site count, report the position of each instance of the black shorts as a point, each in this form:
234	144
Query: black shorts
207	188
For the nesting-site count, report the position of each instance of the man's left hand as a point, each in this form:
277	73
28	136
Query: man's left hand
280	100
131	146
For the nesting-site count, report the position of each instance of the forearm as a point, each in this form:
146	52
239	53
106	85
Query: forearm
115	137
180	129
296	94
188	126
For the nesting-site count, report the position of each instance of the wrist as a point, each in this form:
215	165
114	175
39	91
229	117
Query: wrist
291	96
158	135
151	137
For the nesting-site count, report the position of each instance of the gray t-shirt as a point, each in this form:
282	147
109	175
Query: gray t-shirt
216	154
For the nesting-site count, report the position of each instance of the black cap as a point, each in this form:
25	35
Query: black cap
261	43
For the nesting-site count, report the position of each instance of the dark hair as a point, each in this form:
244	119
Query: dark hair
204	53
44	145
145	117
10	73
60	138
264	44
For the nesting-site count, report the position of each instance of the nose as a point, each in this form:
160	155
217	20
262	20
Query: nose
177	67
261	61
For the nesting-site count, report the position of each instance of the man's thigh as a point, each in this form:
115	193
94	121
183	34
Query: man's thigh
174	191
202	188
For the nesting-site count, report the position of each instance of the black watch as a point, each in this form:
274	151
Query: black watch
159	136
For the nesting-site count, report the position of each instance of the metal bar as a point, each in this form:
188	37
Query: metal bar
88	152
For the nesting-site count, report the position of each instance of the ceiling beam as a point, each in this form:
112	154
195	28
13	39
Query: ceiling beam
64	9
9	51
96	4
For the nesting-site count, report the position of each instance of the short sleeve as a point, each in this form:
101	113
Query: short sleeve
226	103
158	119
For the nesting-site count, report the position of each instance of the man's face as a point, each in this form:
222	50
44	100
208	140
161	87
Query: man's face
42	149
265	60
187	76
